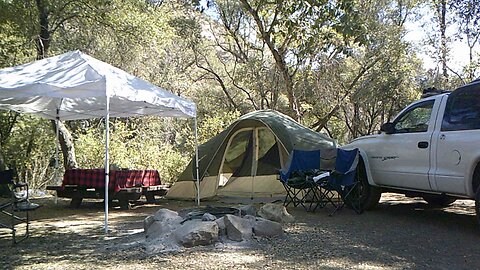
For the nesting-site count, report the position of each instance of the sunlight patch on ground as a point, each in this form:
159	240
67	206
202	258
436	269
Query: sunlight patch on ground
347	264
76	226
237	257
75	265
124	233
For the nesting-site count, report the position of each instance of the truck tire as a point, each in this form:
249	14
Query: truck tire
439	200
370	195
477	205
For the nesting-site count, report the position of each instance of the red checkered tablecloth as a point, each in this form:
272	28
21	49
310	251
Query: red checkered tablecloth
137	178
95	178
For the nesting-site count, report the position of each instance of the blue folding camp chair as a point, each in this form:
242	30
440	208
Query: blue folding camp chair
297	176
341	187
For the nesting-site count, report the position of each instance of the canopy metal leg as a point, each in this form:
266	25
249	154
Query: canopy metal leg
196	162
57	135
107	161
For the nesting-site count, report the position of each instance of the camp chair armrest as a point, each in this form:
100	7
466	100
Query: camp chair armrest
20	184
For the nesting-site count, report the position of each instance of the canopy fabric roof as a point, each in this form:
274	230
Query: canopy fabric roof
76	86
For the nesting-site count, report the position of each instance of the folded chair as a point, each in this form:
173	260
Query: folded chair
341	186
297	176
16	207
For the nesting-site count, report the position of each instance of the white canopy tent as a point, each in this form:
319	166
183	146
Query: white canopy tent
75	86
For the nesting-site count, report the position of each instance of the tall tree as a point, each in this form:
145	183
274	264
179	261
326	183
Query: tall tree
467	17
294	30
439	39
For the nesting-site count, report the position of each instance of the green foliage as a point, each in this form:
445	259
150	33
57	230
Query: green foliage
30	151
214	124
137	145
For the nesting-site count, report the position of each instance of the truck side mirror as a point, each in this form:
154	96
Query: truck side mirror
388	128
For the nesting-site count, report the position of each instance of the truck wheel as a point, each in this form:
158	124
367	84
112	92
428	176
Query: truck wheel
439	200
370	195
477	205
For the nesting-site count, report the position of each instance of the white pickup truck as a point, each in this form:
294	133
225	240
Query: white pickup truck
431	149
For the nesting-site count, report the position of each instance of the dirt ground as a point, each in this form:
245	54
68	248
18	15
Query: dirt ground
402	233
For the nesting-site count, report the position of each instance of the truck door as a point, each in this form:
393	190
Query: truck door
456	142
404	158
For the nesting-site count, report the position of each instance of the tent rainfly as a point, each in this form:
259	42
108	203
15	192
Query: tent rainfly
76	86
244	159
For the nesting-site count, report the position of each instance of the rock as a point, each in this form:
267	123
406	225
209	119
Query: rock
147	222
164	222
221	226
275	212
208	217
165	214
247	210
238	228
265	227
251	219
193	233
165	243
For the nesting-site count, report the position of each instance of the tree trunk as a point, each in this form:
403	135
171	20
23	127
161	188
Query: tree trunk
66	144
43	45
279	60
471	64
3	166
441	8
43	41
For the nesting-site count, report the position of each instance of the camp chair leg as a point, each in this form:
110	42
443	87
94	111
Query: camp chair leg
337	203
321	200
332	197
17	239
352	198
289	198
315	199
15	220
348	196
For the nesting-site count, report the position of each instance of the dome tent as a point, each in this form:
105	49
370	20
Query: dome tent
244	159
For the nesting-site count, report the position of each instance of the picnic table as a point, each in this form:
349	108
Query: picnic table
124	185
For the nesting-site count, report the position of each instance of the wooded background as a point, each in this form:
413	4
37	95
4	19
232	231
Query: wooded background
341	67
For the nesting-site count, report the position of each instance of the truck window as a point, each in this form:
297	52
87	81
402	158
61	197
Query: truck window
416	119
462	112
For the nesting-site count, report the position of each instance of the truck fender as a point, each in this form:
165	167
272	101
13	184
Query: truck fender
364	157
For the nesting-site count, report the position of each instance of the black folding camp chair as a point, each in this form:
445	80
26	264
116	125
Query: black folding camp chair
341	187
16	206
297	179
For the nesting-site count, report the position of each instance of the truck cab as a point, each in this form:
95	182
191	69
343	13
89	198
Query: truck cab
429	149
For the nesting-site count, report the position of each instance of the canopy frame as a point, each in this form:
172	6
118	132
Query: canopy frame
75	86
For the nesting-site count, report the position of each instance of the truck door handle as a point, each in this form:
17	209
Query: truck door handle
422	144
